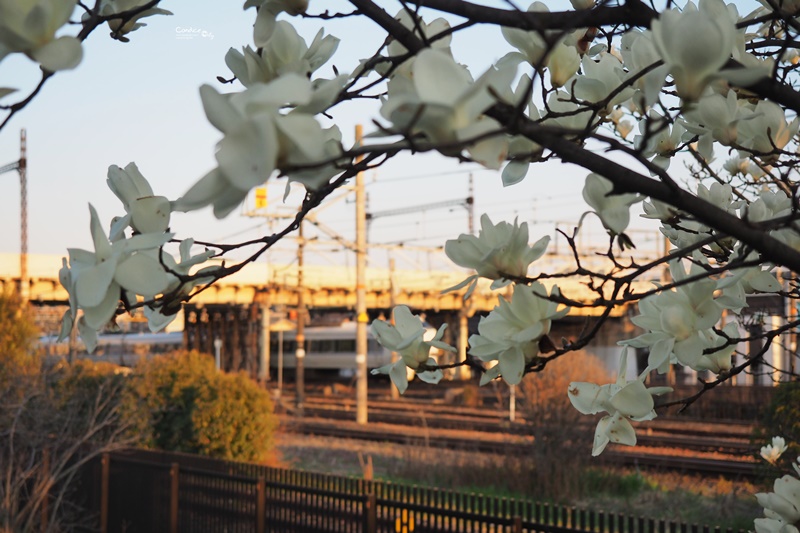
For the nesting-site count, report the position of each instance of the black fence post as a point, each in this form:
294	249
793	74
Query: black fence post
174	474
105	470
371	513
261	505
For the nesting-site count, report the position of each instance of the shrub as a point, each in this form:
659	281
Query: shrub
53	421
562	438
17	335
182	403
782	417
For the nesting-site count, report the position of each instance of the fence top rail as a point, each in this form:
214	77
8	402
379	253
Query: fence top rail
184	469
412	497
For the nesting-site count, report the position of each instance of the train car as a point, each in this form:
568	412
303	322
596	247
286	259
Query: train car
332	348
122	348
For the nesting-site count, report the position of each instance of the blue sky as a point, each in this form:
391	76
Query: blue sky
139	101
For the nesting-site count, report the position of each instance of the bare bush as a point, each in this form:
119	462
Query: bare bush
561	438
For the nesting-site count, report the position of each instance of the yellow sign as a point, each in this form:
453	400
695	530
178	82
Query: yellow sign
363	317
405	522
261	198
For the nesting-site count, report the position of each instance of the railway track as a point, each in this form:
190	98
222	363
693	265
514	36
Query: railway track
708	448
504	443
718	437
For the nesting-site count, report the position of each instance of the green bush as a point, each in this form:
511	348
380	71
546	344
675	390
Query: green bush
782	417
182	403
17	336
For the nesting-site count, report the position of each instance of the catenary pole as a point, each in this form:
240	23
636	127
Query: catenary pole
361	292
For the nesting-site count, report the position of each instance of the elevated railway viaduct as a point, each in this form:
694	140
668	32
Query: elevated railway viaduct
239	309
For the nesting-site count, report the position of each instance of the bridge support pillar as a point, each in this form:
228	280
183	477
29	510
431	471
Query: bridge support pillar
263	344
464	372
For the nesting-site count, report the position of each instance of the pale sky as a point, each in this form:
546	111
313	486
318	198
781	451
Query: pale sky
139	101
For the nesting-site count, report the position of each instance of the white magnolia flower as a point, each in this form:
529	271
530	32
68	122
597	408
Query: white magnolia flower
120	29
623	401
676	320
736	165
774	204
499	250
613	209
656	209
315	177
258	140
440	101
159	317
781	507
423	30
562	63
147	213
562	112
559	55
662	144
521	150
741	282
767	130
531	46
720	359
718	116
599	80
29	27
406	337
695	44
639	53
683	231
267	13
95	280
285	51
510	334
772	452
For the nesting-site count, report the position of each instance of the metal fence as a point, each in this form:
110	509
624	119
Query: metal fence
140	491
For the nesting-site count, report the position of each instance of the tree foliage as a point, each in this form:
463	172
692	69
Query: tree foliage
17	336
180	402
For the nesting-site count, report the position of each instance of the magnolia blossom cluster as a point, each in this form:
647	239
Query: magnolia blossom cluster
407	337
782	506
509	336
623	401
128	262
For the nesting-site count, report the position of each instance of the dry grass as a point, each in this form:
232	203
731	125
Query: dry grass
556	469
657	495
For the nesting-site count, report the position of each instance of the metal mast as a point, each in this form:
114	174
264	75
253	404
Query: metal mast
361	292
22	166
23	213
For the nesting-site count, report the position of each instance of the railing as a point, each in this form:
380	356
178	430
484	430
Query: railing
142	491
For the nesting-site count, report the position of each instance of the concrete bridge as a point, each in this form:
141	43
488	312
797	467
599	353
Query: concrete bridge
324	287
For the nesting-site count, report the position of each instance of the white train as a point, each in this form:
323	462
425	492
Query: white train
332	348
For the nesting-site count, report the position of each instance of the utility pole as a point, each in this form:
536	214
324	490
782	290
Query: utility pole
23	215
471	206
21	166
361	292
264	338
300	352
395	394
